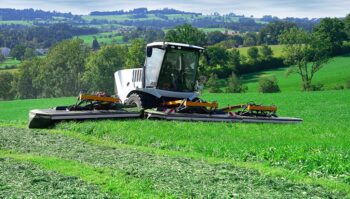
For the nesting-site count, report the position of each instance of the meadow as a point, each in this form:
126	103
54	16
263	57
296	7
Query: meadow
9	63
307	159
17	22
333	75
102	38
277	50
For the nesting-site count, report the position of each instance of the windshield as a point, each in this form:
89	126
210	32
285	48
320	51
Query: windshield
153	64
178	70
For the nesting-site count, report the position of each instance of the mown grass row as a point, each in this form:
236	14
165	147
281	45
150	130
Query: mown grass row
111	181
317	147
261	167
178	173
22	179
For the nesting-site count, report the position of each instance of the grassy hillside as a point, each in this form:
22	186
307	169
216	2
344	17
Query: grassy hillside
335	73
176	159
277	50
186	17
102	38
17	22
10	62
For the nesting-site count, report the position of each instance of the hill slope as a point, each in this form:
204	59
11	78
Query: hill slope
335	73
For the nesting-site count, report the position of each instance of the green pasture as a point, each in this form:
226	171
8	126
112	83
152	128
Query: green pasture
119	18
213	29
102	38
276	49
16	22
9	62
335	73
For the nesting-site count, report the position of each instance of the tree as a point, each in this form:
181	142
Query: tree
152	35
332	30
213	84
306	53
347	25
6	91
186	34
216	55
234	85
268	85
28	83
234	59
95	44
63	68
29	53
2	57
215	37
136	54
269	34
101	66
18	52
250	39
266	52
253	54
238	40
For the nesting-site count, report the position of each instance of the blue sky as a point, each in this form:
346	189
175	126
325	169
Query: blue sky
258	8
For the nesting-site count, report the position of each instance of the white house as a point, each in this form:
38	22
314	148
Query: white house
5	51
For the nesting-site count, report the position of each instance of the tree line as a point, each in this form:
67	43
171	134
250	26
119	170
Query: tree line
30	14
41	37
140	11
69	67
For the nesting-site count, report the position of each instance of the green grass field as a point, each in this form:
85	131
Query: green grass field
334	73
277	50
206	30
187	17
102	38
10	62
120	18
192	159
18	22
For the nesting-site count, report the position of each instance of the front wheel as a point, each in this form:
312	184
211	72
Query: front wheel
142	101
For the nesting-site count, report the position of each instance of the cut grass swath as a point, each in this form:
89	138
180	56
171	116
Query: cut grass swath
110	180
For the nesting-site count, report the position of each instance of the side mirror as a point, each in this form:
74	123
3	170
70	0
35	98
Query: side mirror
149	52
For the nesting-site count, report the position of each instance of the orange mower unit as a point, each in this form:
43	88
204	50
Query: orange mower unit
88	107
184	110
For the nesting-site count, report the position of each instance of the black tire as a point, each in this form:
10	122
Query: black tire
142	101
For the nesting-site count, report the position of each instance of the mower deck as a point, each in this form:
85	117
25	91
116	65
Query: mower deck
44	118
151	114
92	107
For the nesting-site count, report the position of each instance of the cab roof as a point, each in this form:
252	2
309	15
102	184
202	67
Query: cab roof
166	44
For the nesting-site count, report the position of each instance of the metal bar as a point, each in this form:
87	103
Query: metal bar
98	98
193	104
261	108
